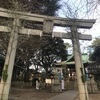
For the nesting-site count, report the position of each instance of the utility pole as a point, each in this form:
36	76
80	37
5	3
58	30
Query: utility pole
83	94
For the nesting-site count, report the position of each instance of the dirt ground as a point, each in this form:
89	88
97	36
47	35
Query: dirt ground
94	96
30	94
33	94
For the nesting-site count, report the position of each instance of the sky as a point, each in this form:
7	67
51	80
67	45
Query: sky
95	30
78	10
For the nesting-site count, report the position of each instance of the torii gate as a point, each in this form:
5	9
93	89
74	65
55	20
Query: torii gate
48	24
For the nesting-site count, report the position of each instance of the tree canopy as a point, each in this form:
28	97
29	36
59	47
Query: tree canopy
45	7
95	56
96	42
50	53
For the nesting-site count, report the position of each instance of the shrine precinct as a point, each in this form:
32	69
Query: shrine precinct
48	23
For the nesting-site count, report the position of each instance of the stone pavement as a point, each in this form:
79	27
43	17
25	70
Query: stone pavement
67	95
73	95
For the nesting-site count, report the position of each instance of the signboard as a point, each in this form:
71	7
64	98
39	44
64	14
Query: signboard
48	81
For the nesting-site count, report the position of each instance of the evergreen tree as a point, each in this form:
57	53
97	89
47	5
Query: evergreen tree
45	7
50	53
96	54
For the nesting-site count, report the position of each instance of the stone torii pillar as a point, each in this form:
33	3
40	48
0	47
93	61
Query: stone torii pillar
82	86
9	62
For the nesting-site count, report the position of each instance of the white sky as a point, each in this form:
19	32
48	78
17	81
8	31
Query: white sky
95	30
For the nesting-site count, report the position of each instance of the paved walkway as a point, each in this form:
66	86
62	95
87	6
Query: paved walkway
67	95
73	95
